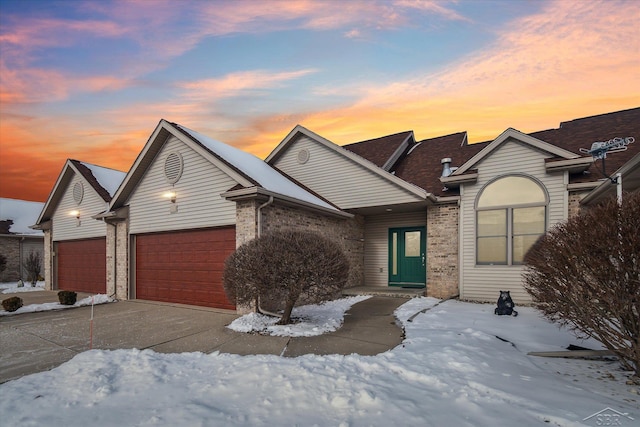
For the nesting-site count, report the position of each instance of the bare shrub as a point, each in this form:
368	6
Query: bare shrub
282	268
585	274
33	266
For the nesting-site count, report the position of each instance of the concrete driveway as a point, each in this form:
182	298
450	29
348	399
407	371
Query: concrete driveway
35	342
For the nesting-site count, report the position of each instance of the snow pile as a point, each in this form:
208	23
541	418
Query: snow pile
450	370
313	319
12	287
32	308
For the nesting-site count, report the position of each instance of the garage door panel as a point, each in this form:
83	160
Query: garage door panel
184	267
82	265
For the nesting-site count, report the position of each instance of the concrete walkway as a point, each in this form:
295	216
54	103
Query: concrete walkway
35	342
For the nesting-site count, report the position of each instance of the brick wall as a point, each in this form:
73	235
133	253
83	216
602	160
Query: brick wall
442	250
574	202
10	248
348	233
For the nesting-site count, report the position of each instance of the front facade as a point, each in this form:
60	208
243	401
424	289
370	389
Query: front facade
440	214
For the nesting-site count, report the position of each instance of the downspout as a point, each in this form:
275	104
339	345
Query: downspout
259	212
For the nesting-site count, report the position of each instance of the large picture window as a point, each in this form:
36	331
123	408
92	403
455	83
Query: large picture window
511	214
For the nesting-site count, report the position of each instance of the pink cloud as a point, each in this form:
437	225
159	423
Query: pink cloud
236	83
567	61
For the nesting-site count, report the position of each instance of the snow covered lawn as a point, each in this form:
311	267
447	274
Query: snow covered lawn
12	287
451	370
313	319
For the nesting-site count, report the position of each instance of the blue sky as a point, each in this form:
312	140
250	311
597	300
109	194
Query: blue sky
91	79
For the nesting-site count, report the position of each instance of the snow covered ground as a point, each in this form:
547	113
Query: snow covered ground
451	370
314	319
12	287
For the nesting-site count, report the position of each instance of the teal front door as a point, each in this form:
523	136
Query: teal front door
407	257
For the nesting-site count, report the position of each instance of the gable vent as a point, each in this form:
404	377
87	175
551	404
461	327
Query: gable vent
173	166
303	156
78	192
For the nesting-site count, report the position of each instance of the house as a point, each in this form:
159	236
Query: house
439	214
74	242
17	240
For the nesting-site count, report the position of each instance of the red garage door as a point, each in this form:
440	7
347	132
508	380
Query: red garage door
184	267
82	265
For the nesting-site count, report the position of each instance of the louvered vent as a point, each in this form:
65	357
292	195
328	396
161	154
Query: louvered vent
78	192
303	156
173	167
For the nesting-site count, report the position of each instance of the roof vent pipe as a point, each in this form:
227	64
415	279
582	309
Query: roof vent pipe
446	166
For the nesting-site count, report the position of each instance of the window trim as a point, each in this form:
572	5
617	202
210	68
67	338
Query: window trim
509	218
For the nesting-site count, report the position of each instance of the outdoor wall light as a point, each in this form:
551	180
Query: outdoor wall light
171	195
77	215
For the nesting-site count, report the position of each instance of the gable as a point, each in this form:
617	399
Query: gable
77	198
341	177
524	139
101	181
197	192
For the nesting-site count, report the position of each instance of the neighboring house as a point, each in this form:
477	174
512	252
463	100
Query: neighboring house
441	214
74	242
17	240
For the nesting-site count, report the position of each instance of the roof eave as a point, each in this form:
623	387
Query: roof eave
456	180
44	226
253	192
632	167
119	214
578	165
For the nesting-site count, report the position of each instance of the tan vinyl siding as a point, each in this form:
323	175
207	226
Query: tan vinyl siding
484	282
197	195
64	225
339	179
376	243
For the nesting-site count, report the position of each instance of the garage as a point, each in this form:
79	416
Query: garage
184	267
82	265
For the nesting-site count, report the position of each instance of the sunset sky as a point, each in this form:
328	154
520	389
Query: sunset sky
91	79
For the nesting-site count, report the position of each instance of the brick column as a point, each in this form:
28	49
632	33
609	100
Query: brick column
122	260
48	260
442	250
246	221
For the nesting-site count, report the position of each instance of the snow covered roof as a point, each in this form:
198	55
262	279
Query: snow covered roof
23	214
257	170
104	180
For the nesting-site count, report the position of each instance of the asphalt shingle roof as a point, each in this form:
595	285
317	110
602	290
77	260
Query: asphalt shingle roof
378	150
422	166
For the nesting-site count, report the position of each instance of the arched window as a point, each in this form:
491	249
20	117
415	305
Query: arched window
511	214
